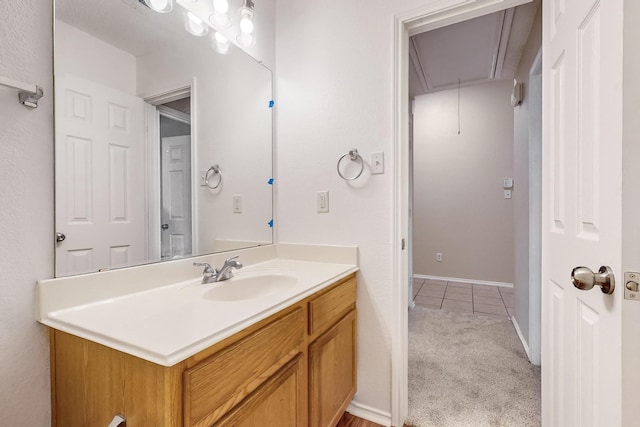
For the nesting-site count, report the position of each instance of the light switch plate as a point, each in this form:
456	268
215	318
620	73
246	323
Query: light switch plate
377	163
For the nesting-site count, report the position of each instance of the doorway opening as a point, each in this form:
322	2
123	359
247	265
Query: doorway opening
170	166
175	179
474	179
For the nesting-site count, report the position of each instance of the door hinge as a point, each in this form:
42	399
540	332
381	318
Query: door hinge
402	244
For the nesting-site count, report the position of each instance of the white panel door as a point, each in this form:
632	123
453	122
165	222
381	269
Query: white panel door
176	196
582	159
99	177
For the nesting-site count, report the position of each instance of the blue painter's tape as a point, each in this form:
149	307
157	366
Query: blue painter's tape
270	224
270	182
271	103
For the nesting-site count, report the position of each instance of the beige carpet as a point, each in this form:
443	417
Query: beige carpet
468	370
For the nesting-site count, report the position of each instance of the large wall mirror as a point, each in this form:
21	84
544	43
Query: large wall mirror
163	146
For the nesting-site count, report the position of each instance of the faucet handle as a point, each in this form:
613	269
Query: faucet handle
206	265
235	264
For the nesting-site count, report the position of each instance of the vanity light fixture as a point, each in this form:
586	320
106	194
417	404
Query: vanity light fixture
219	18
162	6
195	25
220	43
247	24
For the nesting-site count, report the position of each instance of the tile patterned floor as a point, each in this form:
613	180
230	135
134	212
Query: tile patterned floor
494	301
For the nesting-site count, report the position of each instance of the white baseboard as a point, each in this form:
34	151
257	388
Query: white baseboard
456	279
519	332
370	414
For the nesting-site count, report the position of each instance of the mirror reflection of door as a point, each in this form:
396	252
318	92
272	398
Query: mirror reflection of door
175	180
99	136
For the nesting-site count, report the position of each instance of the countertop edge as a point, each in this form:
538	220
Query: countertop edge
194	348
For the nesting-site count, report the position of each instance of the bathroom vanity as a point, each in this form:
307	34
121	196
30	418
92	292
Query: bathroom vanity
288	359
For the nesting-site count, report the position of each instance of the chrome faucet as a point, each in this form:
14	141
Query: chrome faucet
225	272
212	275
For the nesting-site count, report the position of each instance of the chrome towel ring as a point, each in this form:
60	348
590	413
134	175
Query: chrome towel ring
354	157
213	170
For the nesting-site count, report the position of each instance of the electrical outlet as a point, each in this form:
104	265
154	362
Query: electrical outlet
507	194
323	201
439	256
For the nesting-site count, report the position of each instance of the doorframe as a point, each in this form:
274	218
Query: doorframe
535	230
152	155
440	14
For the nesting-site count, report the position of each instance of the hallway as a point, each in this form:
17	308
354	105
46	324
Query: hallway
495	301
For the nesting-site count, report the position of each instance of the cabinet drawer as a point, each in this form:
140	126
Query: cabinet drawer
329	307
217	384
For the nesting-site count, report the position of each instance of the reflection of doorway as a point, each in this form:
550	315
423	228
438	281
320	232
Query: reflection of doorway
170	190
175	179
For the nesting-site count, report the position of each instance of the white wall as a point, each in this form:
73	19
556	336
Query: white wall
459	205
86	56
522	157
26	212
334	62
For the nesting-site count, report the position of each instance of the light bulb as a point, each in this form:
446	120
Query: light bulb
220	20
221	6
246	25
195	25
162	6
246	20
220	43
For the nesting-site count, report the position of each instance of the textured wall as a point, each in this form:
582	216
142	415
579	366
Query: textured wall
459	205
26	212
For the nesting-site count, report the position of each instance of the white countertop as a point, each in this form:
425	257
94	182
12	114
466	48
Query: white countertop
170	323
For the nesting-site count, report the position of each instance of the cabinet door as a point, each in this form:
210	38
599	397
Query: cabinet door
332	372
276	403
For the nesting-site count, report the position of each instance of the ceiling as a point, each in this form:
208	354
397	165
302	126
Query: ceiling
126	24
478	50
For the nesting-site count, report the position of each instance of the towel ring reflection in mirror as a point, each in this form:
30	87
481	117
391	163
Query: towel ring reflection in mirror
211	172
354	157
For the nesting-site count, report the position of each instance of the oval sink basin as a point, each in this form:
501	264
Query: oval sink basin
249	287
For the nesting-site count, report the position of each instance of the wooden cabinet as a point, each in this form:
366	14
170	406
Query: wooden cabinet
218	383
332	373
295	368
275	403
